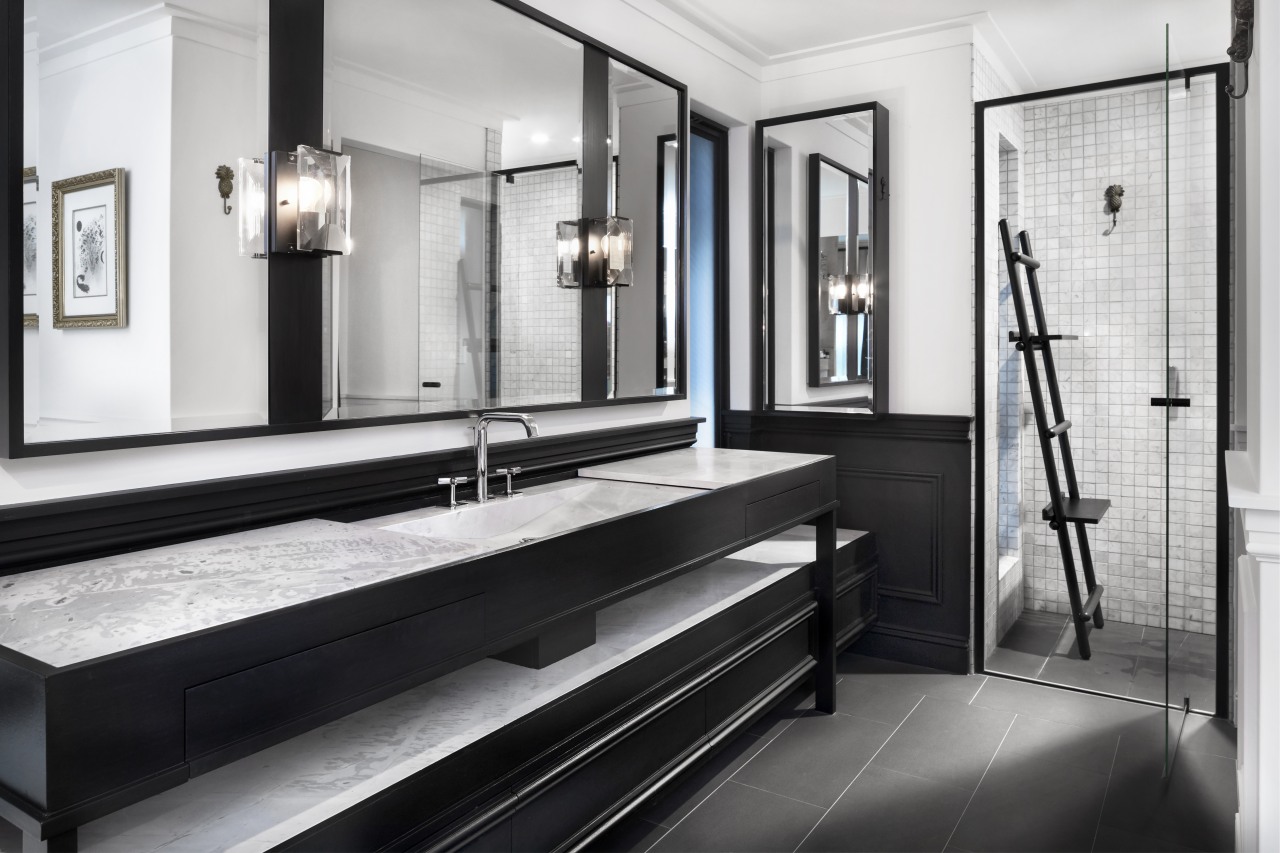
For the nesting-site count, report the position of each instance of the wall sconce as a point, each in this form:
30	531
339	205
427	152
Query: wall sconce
253	207
849	294
608	262
310	199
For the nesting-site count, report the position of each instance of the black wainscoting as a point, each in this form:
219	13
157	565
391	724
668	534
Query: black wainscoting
907	478
49	533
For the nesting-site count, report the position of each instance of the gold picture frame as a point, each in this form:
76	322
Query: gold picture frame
30	188
89	247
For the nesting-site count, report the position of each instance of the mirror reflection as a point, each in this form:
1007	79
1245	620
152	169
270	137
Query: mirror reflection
462	172
820	260
139	316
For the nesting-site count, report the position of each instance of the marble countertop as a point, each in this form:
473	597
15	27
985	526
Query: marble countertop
264	799
74	613
699	467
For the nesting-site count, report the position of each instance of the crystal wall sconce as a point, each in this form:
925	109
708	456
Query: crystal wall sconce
253	207
849	294
608	262
310	201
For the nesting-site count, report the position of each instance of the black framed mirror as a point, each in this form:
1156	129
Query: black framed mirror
254	346
822	220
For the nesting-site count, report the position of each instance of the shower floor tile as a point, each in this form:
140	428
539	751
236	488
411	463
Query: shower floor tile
1126	660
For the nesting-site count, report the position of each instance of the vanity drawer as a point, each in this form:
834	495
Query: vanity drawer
232	716
781	508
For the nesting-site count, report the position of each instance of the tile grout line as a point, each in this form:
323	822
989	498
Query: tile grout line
985	679
1102	809
774	793
671	829
859	775
980	781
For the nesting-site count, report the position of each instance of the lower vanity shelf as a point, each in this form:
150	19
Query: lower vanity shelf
497	756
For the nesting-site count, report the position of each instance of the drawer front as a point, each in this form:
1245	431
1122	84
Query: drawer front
296	691
778	509
855	608
552	814
750	677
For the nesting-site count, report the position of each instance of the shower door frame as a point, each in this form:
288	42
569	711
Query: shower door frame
1222	127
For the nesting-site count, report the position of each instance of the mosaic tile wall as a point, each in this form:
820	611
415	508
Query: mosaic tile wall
1011	383
540	360
1109	290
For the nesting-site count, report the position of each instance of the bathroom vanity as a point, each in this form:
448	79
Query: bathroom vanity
124	677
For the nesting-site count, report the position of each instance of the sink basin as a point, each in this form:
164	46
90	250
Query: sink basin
542	511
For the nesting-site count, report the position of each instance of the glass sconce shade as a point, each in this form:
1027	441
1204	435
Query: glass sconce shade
324	201
311	201
615	248
567	252
252	207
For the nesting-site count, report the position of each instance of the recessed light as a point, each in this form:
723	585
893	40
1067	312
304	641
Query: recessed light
540	139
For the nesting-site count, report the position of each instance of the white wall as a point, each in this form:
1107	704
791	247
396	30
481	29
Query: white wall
217	299
115	92
925	84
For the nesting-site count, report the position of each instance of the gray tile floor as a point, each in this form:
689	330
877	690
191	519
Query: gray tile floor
921	760
1126	660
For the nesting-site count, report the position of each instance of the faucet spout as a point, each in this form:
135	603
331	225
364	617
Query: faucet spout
482	445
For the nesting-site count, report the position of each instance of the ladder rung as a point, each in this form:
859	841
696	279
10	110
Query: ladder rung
1092	604
1058	429
1026	260
1015	338
1086	510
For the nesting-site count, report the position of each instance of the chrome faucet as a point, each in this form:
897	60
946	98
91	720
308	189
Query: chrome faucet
482	445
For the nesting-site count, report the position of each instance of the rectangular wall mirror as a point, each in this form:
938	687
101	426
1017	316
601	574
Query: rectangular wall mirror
466	158
824	237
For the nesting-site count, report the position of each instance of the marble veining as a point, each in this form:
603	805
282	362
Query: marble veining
266	798
699	467
73	613
543	511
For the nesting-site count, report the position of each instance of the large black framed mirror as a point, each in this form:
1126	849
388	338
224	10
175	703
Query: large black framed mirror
437	313
822	220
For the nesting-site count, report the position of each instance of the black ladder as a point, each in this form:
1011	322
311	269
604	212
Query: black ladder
1070	508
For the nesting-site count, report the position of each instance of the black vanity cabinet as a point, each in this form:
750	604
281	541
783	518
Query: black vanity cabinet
84	740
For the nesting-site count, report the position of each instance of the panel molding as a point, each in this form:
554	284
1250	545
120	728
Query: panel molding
932	525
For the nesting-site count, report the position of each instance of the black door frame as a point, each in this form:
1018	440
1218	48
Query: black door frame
1222	119
718	134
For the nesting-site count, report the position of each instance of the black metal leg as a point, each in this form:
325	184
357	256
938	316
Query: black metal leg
1073	592
824	581
1086	562
64	843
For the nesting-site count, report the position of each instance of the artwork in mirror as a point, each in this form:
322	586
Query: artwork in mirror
825	259
144	319
644	318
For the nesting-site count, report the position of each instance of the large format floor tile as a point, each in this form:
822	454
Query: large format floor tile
946	741
739	819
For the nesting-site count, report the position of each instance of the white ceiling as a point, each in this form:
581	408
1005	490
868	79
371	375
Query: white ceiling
1050	43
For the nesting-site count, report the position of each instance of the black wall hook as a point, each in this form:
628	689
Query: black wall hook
1241	43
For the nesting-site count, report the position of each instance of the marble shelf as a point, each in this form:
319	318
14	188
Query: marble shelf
699	467
260	801
70	614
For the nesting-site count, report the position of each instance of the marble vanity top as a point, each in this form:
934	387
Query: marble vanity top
74	613
699	467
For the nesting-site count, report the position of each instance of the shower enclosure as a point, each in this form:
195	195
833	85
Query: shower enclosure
1142	281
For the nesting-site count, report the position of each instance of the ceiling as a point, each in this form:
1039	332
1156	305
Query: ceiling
1047	43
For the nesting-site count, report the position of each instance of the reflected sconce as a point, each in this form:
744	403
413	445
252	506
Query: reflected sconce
849	294
608	260
253	207
310	202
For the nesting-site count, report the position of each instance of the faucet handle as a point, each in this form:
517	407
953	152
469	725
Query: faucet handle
510	473
453	483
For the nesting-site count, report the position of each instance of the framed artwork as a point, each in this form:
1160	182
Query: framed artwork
89	270
30	303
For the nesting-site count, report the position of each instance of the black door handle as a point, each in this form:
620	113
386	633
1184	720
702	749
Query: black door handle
1175	402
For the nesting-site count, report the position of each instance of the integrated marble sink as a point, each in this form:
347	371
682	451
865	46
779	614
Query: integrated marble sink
542	511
